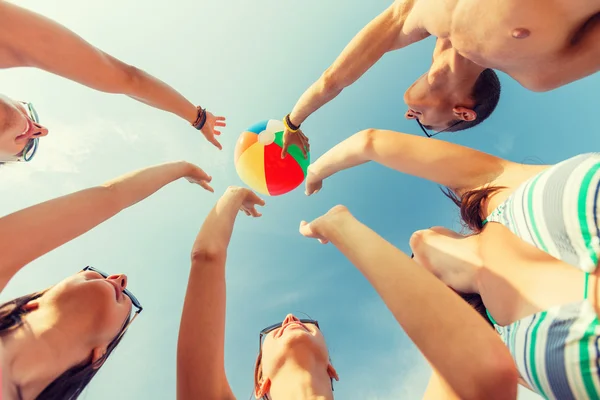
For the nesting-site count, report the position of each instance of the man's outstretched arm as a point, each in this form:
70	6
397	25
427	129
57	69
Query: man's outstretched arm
390	30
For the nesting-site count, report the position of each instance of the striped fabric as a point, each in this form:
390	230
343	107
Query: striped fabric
556	351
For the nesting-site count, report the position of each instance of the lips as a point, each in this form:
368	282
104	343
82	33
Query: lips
118	292
291	325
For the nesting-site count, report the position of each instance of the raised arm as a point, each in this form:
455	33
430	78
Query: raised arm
30	233
438	321
394	28
28	39
201	343
457	167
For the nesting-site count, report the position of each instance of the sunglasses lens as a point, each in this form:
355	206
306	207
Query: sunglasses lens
30	149
33	113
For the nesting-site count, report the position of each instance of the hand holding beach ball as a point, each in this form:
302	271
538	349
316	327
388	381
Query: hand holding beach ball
259	164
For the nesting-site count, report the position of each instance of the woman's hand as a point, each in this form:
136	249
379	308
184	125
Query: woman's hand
320	227
209	131
313	182
245	199
197	175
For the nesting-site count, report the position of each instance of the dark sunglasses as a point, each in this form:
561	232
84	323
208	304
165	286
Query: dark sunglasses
271	328
126	292
426	132
33	143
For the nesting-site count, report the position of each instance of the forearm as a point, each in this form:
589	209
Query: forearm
424	306
133	187
347	154
51	224
201	343
154	92
447	164
215	234
382	34
316	96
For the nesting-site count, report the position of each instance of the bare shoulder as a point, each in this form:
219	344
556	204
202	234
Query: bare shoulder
408	16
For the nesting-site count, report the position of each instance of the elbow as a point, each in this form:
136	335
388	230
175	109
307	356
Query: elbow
366	139
330	83
125	79
498	380
209	253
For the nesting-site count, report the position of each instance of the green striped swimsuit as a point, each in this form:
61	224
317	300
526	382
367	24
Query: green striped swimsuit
556	351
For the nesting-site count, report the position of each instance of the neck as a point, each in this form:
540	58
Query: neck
452	70
296	382
39	351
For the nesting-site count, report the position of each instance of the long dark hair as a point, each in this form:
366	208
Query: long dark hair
472	216
70	384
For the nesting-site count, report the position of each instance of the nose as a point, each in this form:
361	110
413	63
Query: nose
290	318
38	130
121	279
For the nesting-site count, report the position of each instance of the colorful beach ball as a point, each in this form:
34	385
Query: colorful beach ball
259	164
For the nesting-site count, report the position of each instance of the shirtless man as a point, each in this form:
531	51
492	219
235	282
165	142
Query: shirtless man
542	44
28	39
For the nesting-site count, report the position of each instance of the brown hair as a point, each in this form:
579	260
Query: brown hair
258	375
70	384
470	204
472	217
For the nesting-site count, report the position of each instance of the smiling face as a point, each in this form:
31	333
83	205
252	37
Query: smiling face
92	305
16	128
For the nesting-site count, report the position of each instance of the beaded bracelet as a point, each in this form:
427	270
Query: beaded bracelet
288	124
201	119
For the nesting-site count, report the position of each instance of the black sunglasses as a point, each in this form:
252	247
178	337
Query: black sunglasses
271	328
126	292
436	133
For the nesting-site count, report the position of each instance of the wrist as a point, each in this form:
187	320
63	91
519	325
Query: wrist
336	222
292	126
200	120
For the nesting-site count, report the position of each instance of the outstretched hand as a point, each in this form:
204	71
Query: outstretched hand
313	183
209	129
198	176
298	138
248	200
318	228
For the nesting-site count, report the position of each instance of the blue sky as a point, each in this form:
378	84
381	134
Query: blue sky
249	62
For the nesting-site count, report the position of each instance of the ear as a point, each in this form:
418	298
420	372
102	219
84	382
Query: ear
464	114
332	372
97	354
263	388
32	305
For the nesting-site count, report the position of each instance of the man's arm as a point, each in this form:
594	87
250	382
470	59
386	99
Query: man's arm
391	30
